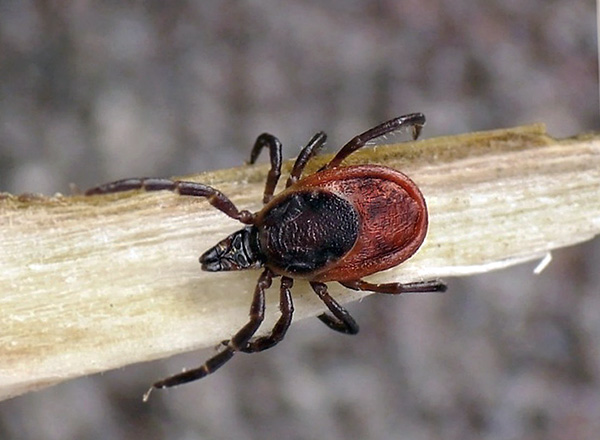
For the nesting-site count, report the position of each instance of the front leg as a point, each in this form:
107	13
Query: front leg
286	307
274	145
238	341
193	189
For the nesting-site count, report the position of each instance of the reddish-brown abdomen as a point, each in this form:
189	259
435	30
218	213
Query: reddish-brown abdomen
392	215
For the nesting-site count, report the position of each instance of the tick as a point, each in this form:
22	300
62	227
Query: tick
341	224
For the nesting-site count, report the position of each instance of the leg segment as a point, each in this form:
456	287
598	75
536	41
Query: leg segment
311	149
270	141
194	189
397	288
286	307
240	339
341	320
413	120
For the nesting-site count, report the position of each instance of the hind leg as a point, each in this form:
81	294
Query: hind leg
397	288
308	152
341	321
413	120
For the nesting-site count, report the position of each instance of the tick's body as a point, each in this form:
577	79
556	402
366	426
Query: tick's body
338	224
343	224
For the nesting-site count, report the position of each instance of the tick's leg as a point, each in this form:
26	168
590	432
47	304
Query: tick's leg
397	288
311	149
341	320
270	141
239	340
413	120
286	307
194	189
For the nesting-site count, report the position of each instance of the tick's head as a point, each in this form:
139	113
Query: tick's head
239	251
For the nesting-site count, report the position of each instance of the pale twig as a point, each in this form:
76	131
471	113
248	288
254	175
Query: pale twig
89	284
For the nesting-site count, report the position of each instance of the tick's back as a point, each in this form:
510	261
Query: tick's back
391	218
307	230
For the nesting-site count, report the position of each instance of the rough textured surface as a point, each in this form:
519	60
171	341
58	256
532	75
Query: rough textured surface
307	231
94	92
391	215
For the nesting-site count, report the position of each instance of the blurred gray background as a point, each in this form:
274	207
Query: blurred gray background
95	91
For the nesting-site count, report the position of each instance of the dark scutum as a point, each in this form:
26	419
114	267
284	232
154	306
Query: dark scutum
308	230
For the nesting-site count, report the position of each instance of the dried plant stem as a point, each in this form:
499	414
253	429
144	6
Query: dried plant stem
93	283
